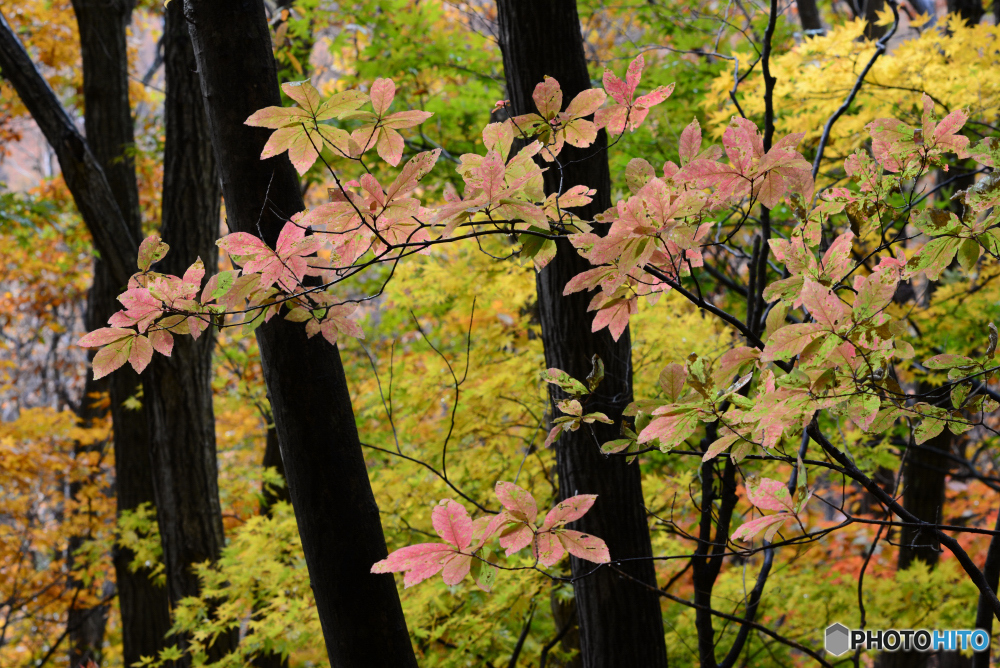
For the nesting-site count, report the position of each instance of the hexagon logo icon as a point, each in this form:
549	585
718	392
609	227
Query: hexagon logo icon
837	639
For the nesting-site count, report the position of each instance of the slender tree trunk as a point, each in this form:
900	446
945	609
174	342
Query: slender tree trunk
272	459
923	495
870	10
86	625
620	621
270	496
984	615
970	10
809	17
338	520
178	389
108	124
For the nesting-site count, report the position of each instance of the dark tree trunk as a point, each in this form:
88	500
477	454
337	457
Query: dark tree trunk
970	10
923	495
338	520
870	10
984	615
108	124
809	17
178	389
620	620
272	459
86	624
271	495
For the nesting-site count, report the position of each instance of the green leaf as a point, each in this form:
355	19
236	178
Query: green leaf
565	381
885	418
934	222
949	362
672	379
959	393
596	374
933	258
968	254
928	429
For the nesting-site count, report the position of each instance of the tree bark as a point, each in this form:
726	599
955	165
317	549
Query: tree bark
971	11
86	625
984	615
338	520
620	621
178	389
809	17
114	238
108	124
923	495
272	459
870	10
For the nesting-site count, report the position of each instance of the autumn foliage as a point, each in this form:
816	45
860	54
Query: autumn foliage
803	325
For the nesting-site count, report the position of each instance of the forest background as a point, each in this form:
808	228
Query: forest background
452	349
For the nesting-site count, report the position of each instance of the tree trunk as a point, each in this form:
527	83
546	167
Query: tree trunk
870	10
620	621
923	495
970	10
108	124
86	625
178	389
271	495
809	17
338	520
272	459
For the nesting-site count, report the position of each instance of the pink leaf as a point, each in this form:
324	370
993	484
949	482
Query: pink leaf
690	142
569	510
719	445
382	93
750	529
141	353
390	146
242	244
406	119
837	259
419	562
791	340
162	341
586	103
670	429
141	306
193	276
151	250
516	538
112	356
731	362
548	98
451	522
548	549
584	546
520	504
304	94
104	336
768	494
615	317
824	305
553	435
456	567
487	528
